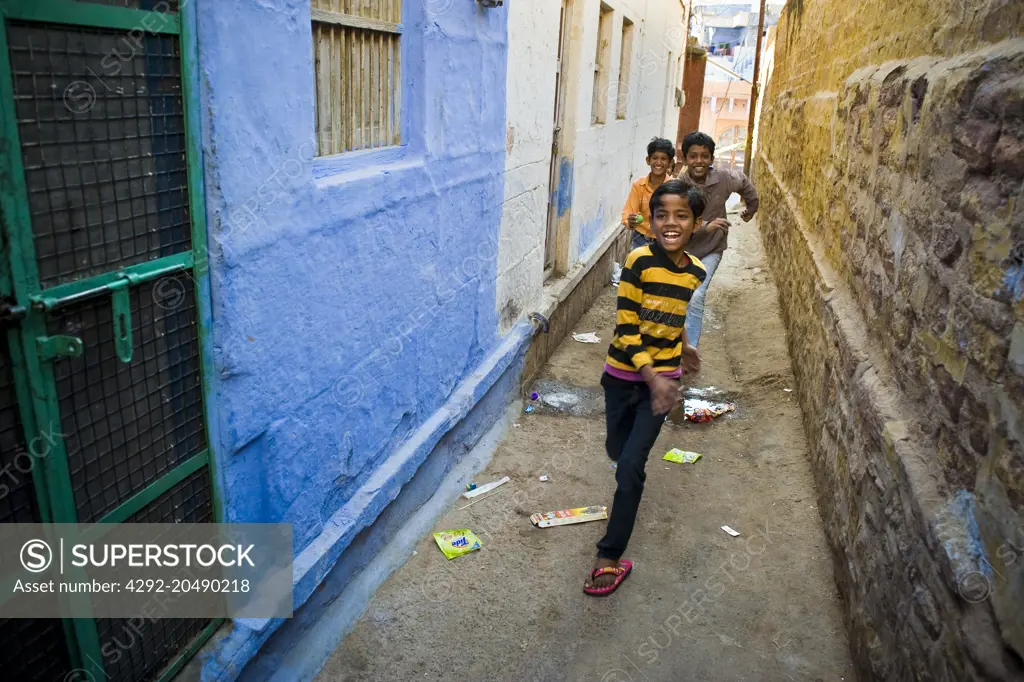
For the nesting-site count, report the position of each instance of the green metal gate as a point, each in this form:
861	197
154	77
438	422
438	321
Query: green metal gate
101	398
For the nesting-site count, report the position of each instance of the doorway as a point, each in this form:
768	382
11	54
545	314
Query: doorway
551	235
102	411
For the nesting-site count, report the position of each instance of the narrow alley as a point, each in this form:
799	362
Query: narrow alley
283	281
700	605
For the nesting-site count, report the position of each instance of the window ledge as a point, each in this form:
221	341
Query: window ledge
342	168
325	166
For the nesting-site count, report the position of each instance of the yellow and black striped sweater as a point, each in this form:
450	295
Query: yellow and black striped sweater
653	295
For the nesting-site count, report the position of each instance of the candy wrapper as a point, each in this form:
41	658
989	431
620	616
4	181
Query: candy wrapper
700	411
457	542
681	456
566	517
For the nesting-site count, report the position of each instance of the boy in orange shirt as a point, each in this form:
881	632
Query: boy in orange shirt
636	214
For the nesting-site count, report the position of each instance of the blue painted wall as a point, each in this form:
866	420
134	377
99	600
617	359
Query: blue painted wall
590	231
349	295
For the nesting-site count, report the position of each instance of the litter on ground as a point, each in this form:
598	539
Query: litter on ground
566	517
701	411
544	478
561	401
486	488
457	542
534	395
681	456
616	273
730	531
589	337
529	409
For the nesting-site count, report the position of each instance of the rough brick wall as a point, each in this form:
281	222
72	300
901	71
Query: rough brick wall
891	165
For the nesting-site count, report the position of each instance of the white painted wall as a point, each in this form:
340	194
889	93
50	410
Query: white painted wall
530	104
607	157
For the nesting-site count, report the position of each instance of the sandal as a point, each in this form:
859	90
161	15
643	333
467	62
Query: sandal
621	572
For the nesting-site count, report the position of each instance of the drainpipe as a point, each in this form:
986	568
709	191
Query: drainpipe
749	154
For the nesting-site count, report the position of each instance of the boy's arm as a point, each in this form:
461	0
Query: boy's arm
627	318
690	360
749	194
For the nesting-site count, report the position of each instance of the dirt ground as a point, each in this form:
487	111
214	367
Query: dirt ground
700	604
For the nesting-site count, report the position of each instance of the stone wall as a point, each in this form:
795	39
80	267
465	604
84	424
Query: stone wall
891	163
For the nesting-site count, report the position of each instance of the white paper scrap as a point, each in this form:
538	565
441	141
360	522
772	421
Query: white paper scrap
589	337
469	494
730	531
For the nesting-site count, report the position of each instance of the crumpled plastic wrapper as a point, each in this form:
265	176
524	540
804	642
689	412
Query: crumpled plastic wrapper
457	542
701	411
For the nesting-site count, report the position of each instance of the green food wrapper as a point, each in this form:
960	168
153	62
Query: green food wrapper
681	456
457	542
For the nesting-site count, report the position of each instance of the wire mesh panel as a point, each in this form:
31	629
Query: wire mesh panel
100	116
17	465
33	651
17	495
189	501
126	424
30	650
136	650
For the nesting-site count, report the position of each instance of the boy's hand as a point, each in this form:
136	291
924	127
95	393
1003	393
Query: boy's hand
664	394
689	361
719	224
747	215
635	219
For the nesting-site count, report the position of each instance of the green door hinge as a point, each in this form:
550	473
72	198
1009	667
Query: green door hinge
120	304
51	347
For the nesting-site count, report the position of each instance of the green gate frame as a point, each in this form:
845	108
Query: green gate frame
31	356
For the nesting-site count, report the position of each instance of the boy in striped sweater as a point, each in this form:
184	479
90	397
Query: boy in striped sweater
647	355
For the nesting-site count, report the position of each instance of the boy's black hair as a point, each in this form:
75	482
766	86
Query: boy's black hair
683	188
660	144
698	139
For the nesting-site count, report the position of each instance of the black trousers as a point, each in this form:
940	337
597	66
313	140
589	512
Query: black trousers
632	430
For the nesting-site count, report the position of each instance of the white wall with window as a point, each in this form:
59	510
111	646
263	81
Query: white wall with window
611	113
603	118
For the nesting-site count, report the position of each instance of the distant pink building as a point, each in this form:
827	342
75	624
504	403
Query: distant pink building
724	115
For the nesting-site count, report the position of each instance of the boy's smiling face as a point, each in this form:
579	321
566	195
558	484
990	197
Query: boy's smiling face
698	161
674	223
660	163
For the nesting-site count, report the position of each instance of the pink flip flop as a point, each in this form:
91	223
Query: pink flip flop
621	572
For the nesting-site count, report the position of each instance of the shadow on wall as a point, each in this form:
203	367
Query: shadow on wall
794	8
